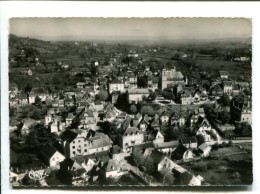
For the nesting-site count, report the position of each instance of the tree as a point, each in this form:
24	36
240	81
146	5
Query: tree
158	92
168	94
102	95
38	101
152	95
224	117
36	114
28	88
133	109
32	138
142	82
147	110
12	111
225	100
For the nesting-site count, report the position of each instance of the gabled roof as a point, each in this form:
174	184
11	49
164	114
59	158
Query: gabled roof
127	122
116	149
48	151
203	146
99	143
110	166
137	116
131	130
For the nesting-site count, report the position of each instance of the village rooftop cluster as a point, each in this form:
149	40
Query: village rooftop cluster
91	114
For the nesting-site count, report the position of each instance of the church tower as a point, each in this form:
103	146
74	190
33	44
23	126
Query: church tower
164	78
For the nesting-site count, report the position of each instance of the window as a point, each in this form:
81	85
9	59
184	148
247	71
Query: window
79	141
73	142
73	147
73	152
85	145
85	150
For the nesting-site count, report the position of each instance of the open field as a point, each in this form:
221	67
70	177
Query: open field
223	172
227	65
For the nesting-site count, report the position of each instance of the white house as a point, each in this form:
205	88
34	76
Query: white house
51	156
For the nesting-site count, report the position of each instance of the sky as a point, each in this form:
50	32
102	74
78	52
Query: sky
131	28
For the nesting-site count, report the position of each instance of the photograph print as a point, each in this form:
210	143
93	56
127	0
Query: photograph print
130	102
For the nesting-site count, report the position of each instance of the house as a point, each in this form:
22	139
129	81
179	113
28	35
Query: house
136	95
236	89
51	156
170	77
186	97
88	164
117	153
186	178
56	124
246	115
89	117
99	107
223	74
13	178
23	99
133	81
68	102
71	172
166	164
216	90
158	137
226	129
227	87
23	128
130	137
80	85
137	119
204	128
116	85
122	116
69	119
110	169
153	82
204	150
164	118
85	143
189	142
166	147
37	91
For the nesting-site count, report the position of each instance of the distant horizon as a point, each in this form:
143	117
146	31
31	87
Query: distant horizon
127	29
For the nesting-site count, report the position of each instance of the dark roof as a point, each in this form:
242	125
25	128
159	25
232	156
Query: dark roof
116	149
178	152
116	81
187	140
48	151
131	130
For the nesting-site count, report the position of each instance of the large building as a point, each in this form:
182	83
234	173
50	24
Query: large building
116	85
85	143
137	94
171	77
